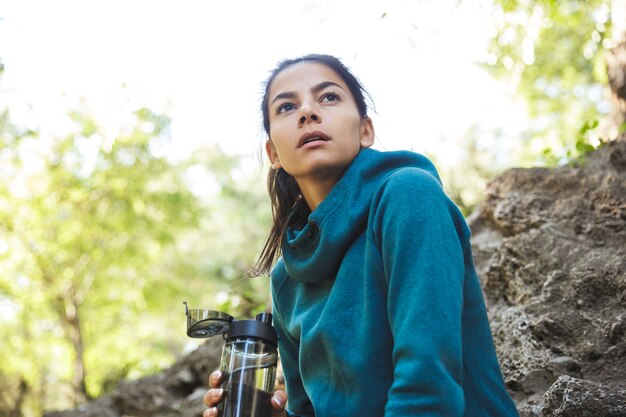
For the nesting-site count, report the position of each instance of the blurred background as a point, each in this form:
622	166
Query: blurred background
131	172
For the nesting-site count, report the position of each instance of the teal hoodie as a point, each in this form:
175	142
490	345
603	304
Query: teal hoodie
377	304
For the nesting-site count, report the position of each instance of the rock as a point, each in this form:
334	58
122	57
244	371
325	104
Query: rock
175	392
555	283
571	397
101	407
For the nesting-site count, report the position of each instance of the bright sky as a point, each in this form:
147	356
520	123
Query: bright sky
203	63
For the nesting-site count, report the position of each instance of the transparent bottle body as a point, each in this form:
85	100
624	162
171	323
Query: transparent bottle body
249	371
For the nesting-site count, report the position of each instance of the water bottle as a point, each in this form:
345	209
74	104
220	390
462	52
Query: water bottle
248	362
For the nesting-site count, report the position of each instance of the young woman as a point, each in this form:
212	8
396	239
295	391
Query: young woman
375	296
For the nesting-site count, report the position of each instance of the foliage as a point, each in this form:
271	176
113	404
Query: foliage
466	184
234	232
101	238
553	53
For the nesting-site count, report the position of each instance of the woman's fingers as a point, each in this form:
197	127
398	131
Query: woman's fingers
210	412
278	403
215	379
213	396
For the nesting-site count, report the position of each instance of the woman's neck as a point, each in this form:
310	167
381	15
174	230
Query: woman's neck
314	192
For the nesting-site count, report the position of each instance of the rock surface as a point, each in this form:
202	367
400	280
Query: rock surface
175	392
550	247
581	398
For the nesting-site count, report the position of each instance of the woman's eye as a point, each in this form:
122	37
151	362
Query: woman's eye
330	97
284	107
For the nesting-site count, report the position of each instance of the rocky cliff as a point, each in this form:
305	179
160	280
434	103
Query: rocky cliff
550	246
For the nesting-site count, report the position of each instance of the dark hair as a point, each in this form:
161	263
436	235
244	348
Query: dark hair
282	187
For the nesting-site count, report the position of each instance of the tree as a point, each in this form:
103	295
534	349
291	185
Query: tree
616	66
555	54
101	239
231	236
88	219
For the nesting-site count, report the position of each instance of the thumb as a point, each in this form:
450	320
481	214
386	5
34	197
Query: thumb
278	404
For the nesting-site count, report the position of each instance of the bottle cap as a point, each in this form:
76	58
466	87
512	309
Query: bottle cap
261	328
203	323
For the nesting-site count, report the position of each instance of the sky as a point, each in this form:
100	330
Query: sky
203	63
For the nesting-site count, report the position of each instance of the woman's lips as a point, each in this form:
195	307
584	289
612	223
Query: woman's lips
311	137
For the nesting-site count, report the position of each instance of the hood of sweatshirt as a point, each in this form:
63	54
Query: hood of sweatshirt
313	251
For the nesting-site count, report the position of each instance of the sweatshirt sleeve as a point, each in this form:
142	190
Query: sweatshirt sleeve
421	235
298	402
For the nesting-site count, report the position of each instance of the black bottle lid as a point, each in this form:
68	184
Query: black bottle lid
260	328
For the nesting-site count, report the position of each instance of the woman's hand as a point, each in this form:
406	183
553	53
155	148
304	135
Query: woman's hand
214	396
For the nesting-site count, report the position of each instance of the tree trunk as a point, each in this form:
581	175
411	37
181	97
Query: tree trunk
616	68
21	394
66	306
72	323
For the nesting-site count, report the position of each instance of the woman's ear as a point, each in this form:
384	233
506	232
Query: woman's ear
270	149
367	132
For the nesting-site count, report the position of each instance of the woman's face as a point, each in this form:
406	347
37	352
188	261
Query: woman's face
315	127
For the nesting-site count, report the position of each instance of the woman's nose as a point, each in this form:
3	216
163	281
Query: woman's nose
308	114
